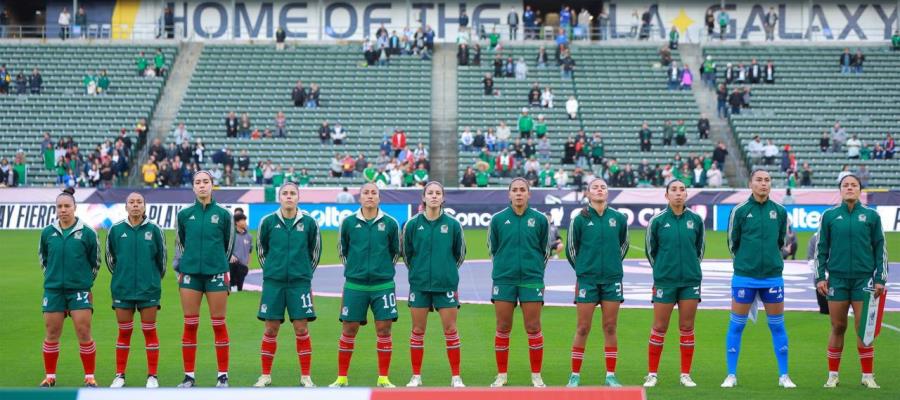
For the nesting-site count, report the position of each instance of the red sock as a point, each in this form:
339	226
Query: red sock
384	348
152	345
220	331
501	350
687	351
267	352
866	358
536	351
654	350
88	357
345	352
304	353
189	342
416	351
452	341
123	345
577	359
611	353
834	358
51	357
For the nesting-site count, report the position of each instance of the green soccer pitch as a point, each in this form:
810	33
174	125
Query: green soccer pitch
22	331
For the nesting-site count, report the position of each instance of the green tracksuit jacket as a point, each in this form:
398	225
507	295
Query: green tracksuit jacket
136	257
756	233
433	251
674	247
69	261
596	245
369	249
204	239
288	254
519	246
851	244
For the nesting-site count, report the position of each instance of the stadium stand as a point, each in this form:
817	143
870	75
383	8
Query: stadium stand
63	109
255	79
617	87
809	95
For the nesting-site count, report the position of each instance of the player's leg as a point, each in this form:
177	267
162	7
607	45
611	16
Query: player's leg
417	342
218	302
304	351
663	304
190	307
741	300
272	303
774	304
53	325
349	329
837	310
267	350
866	353
585	316
151	340
503	313
609	318
687	312
384	310
125	320
531	314
82	321
451	339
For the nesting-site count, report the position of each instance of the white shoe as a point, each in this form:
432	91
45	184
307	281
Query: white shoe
118	381
415	381
263	381
650	380
456	381
306	381
686	381
832	381
499	381
152	382
537	381
731	381
785	382
868	380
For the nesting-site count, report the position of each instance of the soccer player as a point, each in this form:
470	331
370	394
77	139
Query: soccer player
288	248
756	234
518	242
136	257
597	243
204	238
674	247
434	248
70	258
369	245
852	251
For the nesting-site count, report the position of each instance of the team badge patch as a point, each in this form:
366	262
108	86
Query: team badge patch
690	224
741	292
148	235
214	219
345	311
263	308
45	302
582	293
77	235
445	228
412	297
531	222
659	293
187	279
612	223
862	217
381	226
300	228
496	290
772	214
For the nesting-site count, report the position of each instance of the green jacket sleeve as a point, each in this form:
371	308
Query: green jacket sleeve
823	248
110	252
394	238
162	254
734	229
459	246
492	239
315	244
42	252
262	242
651	247
93	253
545	239
343	241
700	244
623	237
230	234
179	242
573	241
782	229
407	244
881	256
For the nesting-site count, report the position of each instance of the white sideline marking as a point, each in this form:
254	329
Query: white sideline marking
891	327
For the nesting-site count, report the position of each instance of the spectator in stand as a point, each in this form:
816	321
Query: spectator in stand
722	101
687	78
878	152
540	127
141	63
181	134
863	174
503	135
724	19
788	159
703	127
838	137
665	56
740	74
81	22
420	152
645	136
465	141
498	65
159	62
719	154
745	99
770	151
324	133
35	81
338	133
562	178
713	176
141	129
468	178
534	95
231	125
674	75
488	82
569	151
668	133
543	149
348	166
244	126
199	150
769	73
857	62
149	172
5	79
547	98
243	162
21	84
541	59
479	141
526	124
889	146
398	141
824	142
698	175
509	68
673	38
754	71
512	19
312	99
846	61
708	72
102	83
680	133
895	40
521	69
476	55
298	95
572	107
853	147
845	170
755	149
89	82
281	125
567	66
736	101
709	20
64	22
462	55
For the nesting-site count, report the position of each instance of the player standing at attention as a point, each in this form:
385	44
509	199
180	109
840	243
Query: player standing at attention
288	248
756	233
596	245
204	238
434	248
369	245
70	258
674	247
853	252
136	257
518	241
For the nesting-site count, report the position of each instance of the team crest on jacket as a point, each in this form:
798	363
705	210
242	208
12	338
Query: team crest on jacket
412	297
148	235
612	222
381	226
77	235
300	228
263	308
214	219
445	228
531	222
496	290
690	224
582	293
862	217
772	214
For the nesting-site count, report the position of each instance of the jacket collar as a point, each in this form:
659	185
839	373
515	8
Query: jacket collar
79	225
144	221
300	214
360	217
752	200
197	203
595	213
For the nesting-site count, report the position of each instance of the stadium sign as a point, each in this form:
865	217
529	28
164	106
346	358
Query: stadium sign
890	218
327	216
479	215
98	216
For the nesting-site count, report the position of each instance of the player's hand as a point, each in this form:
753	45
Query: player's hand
879	290
822	288
233	259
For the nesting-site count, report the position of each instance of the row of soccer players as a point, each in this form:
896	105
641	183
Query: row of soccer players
433	246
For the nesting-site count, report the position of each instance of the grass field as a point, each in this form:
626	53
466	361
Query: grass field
22	332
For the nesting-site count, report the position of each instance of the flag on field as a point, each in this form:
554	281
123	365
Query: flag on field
872	315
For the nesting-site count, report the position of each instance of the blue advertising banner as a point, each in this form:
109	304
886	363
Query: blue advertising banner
802	218
328	216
